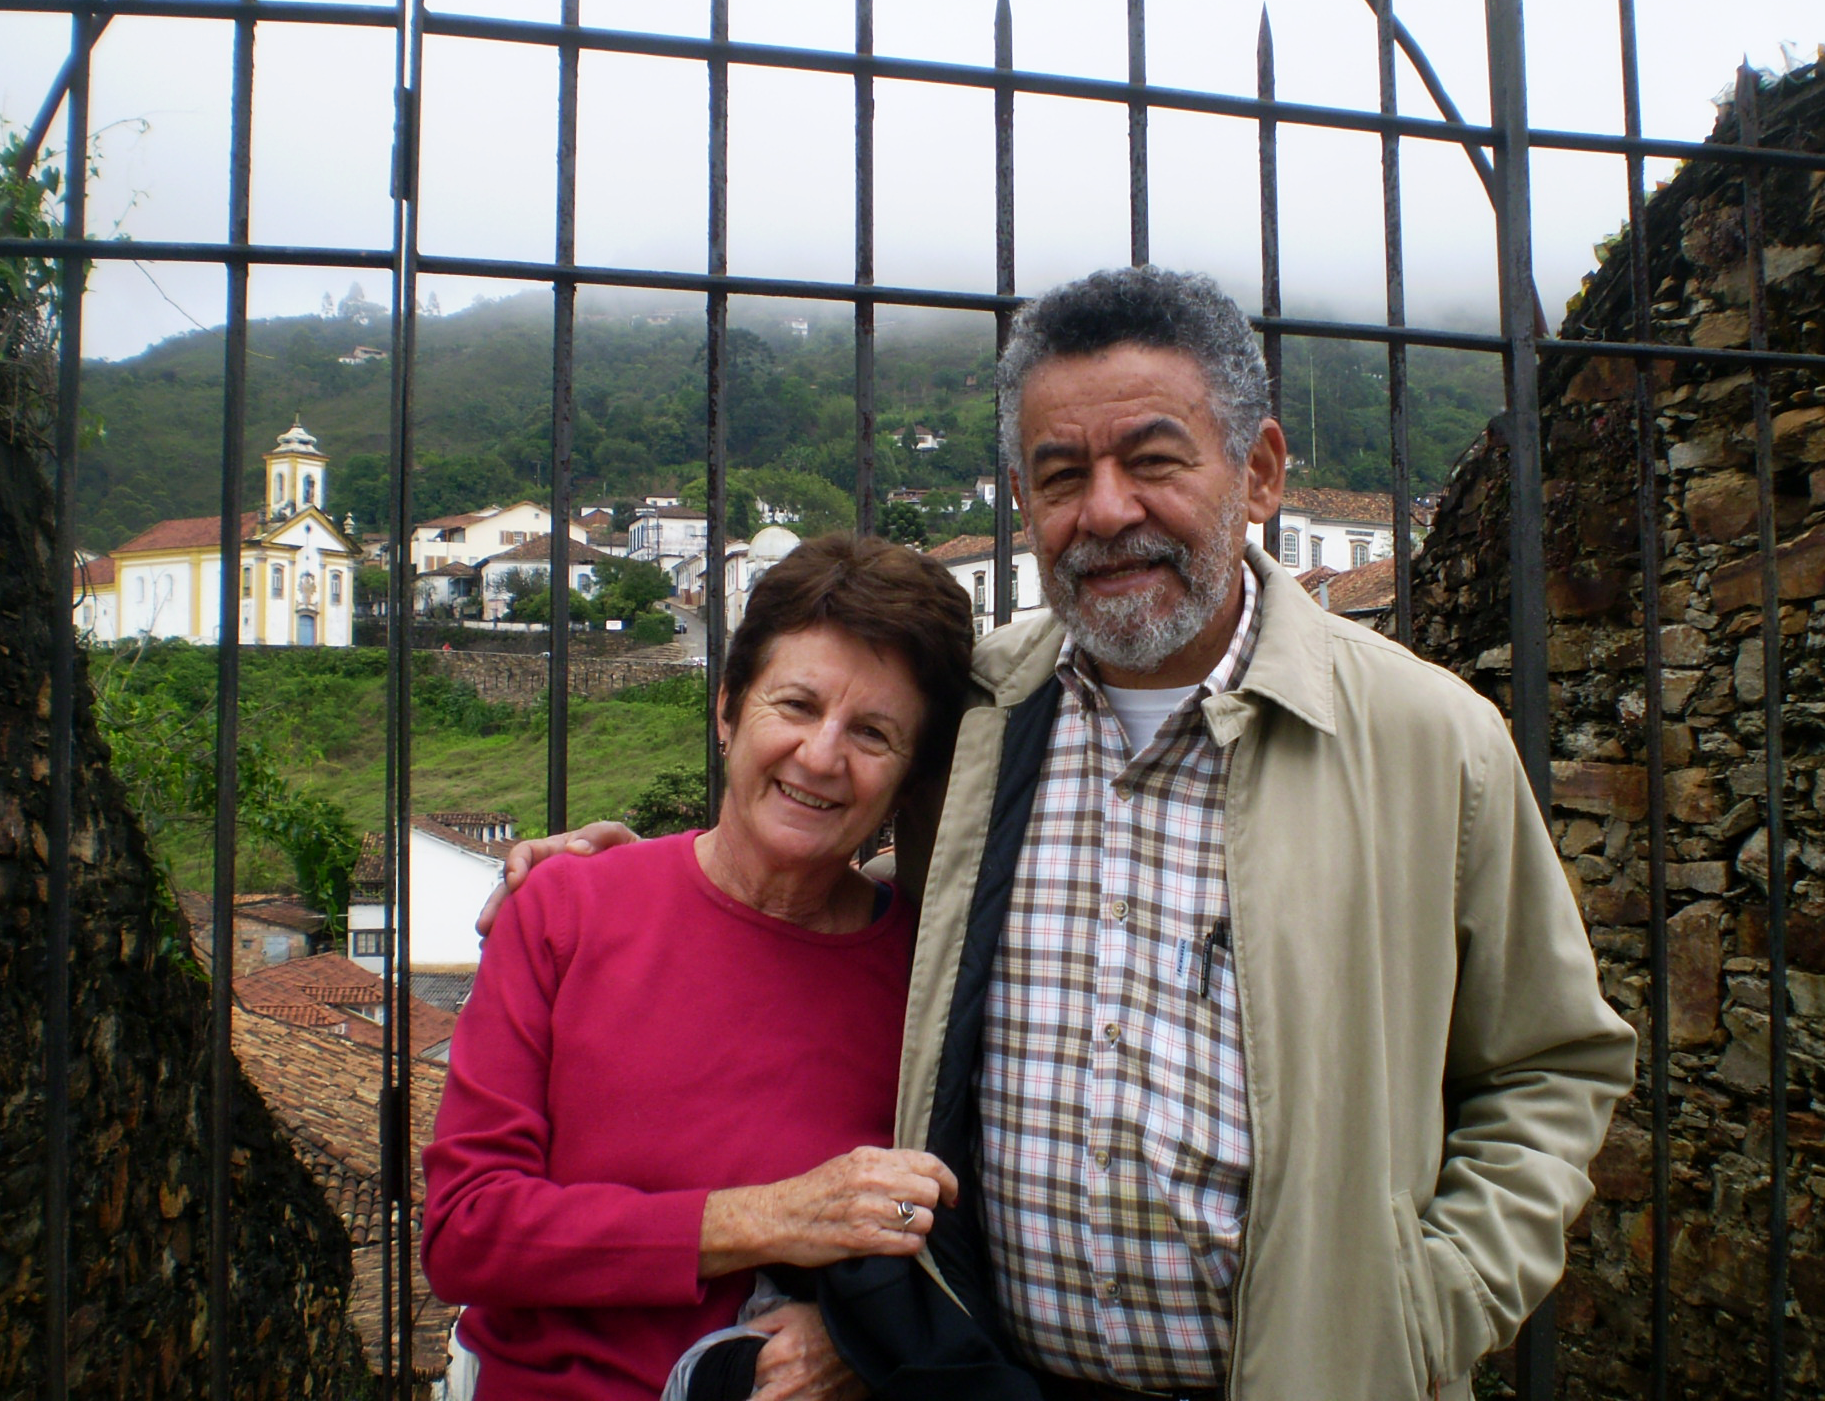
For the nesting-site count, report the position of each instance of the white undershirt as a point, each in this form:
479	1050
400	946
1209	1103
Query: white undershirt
1142	712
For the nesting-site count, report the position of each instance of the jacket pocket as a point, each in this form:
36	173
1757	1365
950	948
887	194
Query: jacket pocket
1419	1298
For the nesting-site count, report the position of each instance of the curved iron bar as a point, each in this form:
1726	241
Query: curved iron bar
1435	89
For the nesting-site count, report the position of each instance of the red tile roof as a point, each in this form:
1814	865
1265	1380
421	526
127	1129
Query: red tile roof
97	573
322	990
1367	588
193	533
324	1091
539	548
964	547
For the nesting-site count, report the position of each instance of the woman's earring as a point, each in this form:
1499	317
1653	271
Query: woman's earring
722	746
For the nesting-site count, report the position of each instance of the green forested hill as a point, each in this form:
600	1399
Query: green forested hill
482	413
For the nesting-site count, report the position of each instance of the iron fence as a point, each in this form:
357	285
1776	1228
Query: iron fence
1500	153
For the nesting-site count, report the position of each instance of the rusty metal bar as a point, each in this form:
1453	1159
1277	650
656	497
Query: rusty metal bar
716	372
1748	117
1394	258
1137	133
864	276
228	720
396	941
1648	515
1271	348
62	739
1527	564
563	420
1004	599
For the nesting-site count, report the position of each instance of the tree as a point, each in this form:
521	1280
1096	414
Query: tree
654	629
675	801
626	588
518	586
903	523
328	310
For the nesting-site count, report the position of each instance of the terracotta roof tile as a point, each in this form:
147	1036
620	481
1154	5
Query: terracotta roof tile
194	532
1368	588
539	548
967	547
97	573
324	1091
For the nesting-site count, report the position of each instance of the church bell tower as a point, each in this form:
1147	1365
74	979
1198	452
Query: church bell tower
295	472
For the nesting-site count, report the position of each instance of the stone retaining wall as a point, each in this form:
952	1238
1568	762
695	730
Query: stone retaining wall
520	680
1716	788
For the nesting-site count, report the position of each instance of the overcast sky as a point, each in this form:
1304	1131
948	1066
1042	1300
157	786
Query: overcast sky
323	125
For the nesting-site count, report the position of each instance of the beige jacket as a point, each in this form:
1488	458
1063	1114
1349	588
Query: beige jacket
1430	1064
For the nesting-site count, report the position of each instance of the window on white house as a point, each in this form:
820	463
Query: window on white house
1289	548
1359	553
982	589
335	586
367	943
278	581
247	581
310	490
1317	551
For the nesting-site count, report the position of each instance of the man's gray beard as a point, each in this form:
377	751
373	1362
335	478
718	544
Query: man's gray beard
1127	632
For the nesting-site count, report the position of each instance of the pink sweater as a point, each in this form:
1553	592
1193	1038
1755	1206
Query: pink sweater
636	1039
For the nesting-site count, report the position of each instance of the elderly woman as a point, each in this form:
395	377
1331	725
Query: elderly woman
678	1054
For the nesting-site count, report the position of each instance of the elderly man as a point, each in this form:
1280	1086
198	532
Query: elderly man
1250	1002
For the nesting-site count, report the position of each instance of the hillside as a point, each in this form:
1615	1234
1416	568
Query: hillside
483	419
317	717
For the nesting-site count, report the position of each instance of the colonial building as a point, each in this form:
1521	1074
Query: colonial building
971	561
478	535
664	535
297	582
1328	528
455	861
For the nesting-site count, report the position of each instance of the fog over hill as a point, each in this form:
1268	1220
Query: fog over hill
482	406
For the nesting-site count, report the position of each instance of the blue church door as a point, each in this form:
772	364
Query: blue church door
307	630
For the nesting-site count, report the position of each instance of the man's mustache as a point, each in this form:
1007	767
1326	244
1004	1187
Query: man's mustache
1137	546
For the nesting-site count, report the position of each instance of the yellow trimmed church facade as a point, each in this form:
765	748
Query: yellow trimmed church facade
297	583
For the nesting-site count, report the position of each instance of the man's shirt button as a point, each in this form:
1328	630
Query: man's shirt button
1102	1157
1112	1033
1118	909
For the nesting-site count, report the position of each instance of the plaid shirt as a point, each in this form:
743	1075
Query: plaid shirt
1115	1139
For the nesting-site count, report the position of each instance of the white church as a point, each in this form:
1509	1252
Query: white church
297	568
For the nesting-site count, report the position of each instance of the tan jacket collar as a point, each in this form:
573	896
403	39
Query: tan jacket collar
1291	665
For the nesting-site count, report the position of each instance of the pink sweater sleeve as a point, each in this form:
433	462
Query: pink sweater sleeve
497	1229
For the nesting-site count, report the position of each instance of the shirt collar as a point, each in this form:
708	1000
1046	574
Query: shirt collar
1078	673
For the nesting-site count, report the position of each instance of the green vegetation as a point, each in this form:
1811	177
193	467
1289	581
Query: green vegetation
482	413
313	755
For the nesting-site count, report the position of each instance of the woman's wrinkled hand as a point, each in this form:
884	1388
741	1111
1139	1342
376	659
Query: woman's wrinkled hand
798	1363
869	1201
585	841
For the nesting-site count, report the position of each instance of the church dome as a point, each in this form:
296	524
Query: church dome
295	439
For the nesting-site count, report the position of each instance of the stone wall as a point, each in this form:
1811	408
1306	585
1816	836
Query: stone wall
1715	781
139	1075
434	636
520	680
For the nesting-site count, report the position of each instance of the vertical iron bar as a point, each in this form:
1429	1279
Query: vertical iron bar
716	372
1137	132
1004	600
563	407
865	511
396	950
228	716
1527	562
71	274
1748	117
1271	348
1648	513
1514	238
1397	316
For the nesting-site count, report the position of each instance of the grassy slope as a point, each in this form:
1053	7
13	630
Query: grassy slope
325	714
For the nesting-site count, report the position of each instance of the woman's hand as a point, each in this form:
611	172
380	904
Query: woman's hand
585	841
846	1207
798	1362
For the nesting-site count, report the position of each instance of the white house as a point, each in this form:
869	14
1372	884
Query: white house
454	861
97	599
1334	529
664	535
474	537
971	561
534	557
743	564
297	580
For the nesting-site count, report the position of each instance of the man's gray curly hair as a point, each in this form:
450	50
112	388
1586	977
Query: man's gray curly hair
1145	306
